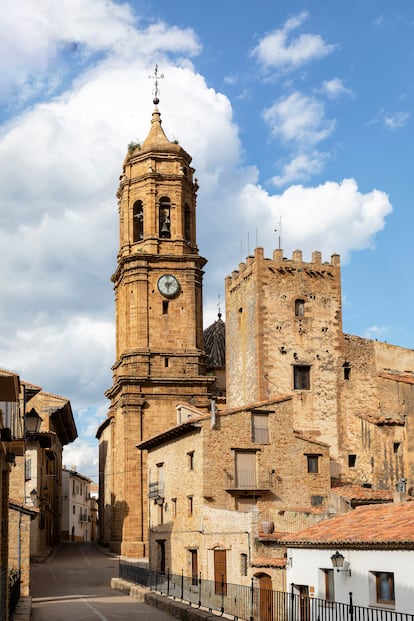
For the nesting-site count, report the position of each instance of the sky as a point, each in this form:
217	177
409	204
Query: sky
299	119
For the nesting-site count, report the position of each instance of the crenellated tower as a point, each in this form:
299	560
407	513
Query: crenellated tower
160	360
284	336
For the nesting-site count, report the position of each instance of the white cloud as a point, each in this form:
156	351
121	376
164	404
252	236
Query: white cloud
299	118
375	332
396	120
391	120
59	166
83	456
332	217
276	51
334	88
302	167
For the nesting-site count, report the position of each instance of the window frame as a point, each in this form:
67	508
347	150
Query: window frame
301	377
390	585
260	433
313	458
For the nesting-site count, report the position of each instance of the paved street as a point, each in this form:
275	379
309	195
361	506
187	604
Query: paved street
74	583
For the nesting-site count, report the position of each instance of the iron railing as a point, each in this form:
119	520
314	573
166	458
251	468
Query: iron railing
252	603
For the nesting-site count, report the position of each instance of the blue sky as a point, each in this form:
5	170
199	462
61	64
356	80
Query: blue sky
299	112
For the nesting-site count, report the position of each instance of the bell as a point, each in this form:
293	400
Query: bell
165	227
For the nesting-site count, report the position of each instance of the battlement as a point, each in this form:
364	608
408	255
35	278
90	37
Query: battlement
315	267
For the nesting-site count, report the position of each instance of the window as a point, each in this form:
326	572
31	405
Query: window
301	377
160	479
28	469
396	446
260	428
190	460
138	221
174	507
384	586
165	217
299	308
313	463
352	461
347	370
329	584
73	509
317	501
165	307
190	505
194	567
243	564
187	224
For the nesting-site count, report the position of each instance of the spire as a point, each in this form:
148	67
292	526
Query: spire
156	135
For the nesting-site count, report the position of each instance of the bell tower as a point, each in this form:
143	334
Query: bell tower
160	360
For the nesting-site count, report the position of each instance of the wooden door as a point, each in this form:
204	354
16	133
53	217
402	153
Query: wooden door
220	572
304	604
266	598
245	469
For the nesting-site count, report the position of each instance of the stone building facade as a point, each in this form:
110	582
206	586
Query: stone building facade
159	329
220	484
284	335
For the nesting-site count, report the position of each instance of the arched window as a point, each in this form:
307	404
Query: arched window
299	308
138	220
187	223
165	217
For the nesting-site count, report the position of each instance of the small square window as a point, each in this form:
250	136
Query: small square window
352	461
299	308
301	377
317	501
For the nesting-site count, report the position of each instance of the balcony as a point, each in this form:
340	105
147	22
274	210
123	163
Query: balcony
156	490
248	482
83	517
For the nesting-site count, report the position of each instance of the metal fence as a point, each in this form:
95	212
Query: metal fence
252	603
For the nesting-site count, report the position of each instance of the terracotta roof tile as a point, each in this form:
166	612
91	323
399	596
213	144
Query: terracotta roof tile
358	492
264	561
384	525
406	378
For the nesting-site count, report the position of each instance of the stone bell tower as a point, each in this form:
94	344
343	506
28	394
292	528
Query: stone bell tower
160	360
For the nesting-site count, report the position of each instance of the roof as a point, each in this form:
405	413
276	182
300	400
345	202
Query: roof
359	493
382	526
215	344
193	424
397	376
264	561
384	419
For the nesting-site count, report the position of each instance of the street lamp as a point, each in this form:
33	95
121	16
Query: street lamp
32	421
337	561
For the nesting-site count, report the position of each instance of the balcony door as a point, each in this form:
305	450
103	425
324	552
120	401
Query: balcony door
246	469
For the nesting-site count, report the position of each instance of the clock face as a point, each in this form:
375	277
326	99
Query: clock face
168	285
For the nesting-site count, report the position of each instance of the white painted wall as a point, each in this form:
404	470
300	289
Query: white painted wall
306	564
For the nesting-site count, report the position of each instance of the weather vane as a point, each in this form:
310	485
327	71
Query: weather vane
156	90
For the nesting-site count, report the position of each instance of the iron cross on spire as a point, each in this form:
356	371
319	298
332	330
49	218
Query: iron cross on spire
156	90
